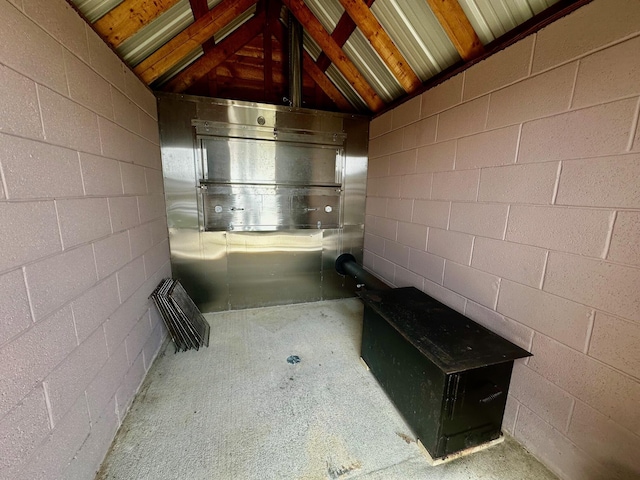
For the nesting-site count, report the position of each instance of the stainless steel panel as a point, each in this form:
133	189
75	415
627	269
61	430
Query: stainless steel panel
233	160
318	122
274	268
199	261
179	162
268	208
355	171
306	160
233	112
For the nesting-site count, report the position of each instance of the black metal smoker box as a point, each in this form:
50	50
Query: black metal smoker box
447	375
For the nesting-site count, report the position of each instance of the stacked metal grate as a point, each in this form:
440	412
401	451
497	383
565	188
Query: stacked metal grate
187	326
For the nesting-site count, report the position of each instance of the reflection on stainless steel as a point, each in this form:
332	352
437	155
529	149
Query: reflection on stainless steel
294	31
268	208
274	268
251	160
261	199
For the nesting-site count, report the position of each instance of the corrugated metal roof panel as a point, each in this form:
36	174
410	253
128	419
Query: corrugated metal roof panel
310	45
345	87
178	67
152	36
371	67
95	9
198	52
540	5
328	12
493	18
418	35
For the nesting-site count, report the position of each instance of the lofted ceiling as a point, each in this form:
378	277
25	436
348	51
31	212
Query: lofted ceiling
359	55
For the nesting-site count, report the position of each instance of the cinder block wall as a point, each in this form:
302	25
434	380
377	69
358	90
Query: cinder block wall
511	192
83	241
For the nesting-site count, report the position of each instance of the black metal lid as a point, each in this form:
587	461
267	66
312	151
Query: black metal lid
450	340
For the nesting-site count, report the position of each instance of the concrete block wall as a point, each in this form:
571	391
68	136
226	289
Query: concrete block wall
83	241
511	192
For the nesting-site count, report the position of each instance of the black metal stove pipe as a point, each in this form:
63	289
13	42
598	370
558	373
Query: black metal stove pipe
346	265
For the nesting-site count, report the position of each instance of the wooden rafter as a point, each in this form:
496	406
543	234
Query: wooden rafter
237	71
190	38
315	29
342	32
319	76
460	31
200	8
382	43
127	18
218	54
325	84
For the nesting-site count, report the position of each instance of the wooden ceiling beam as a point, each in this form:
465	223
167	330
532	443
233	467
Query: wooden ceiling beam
319	76
218	54
382	43
251	51
190	38
127	18
342	32
458	28
325	84
254	73
315	29
200	8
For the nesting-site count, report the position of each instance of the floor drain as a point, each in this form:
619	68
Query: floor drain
293	359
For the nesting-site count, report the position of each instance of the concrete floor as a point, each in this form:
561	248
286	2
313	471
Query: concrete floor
239	410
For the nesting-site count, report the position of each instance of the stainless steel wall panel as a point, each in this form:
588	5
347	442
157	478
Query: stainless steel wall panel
355	170
263	208
179	162
232	112
274	268
199	262
233	160
261	199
